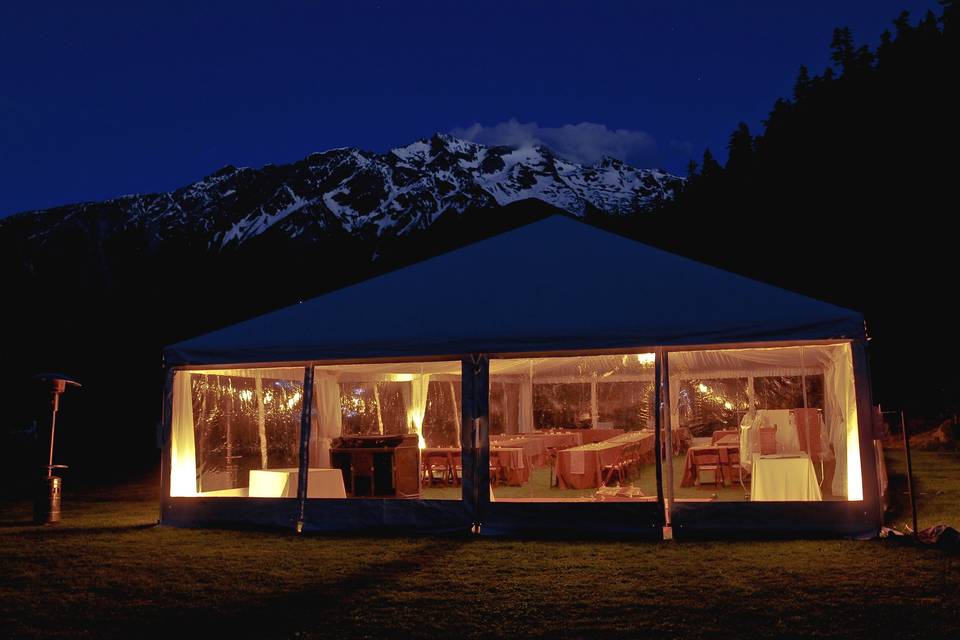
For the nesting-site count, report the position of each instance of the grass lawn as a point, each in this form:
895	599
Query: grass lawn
107	572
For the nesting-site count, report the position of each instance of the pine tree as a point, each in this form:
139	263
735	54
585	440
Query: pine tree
740	159
802	86
951	16
842	53
902	24
709	167
692	168
886	42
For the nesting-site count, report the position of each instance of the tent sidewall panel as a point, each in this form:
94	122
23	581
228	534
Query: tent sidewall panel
689	520
240	513
748	520
639	520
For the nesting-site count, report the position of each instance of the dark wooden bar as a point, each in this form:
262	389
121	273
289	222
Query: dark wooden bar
378	465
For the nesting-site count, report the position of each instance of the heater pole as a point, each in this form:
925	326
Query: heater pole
46	503
57	386
53	428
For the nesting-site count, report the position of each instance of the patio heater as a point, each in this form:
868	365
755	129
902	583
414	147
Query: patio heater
46	504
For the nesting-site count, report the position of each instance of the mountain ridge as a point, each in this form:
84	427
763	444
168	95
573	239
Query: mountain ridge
362	193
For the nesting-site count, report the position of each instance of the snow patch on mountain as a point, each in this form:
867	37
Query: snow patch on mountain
370	194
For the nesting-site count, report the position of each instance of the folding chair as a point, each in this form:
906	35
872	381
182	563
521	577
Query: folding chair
708	461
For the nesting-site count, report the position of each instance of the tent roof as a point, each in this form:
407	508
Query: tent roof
555	284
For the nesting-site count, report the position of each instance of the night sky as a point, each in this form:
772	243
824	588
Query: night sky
99	101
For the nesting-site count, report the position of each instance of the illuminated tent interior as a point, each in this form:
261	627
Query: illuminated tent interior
525	383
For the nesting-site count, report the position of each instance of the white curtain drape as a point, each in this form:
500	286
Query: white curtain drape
525	417
415	399
261	423
326	421
456	410
183	459
842	425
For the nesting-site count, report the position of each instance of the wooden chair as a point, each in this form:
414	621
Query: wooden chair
682	438
607	472
552	463
629	458
616	468
768	440
632	459
733	463
437	467
496	469
808	430
457	468
708	460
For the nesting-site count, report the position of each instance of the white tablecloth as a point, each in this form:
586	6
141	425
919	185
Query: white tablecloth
784	479
282	483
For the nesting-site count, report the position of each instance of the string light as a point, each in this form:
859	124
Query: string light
293	400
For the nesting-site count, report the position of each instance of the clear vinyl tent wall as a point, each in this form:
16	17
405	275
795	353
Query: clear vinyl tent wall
235	432
545	443
570	445
771	440
249	446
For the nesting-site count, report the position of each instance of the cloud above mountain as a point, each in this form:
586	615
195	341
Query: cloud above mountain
586	142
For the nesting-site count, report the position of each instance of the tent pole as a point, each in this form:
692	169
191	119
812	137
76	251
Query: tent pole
906	448
474	438
668	422
594	403
531	426
803	378
504	413
304	467
657	438
166	439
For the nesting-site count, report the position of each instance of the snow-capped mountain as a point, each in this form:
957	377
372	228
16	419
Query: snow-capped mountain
358	193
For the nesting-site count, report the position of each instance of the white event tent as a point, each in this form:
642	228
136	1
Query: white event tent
556	378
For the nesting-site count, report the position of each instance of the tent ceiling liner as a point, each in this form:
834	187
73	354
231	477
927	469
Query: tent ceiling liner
552	285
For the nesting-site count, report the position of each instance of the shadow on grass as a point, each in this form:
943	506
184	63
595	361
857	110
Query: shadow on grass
332	608
10	524
69	530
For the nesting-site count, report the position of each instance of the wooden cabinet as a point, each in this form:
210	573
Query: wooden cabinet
378	466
